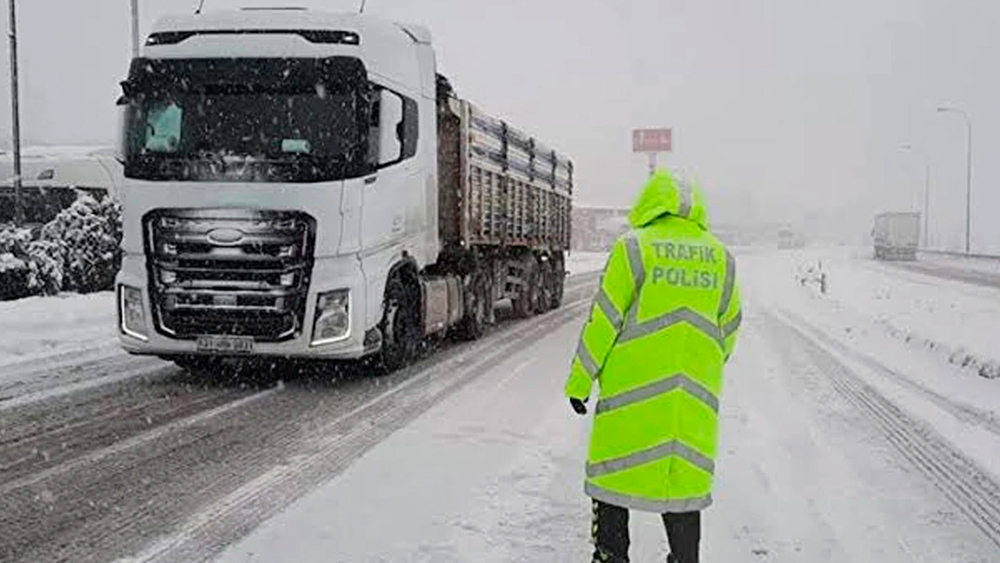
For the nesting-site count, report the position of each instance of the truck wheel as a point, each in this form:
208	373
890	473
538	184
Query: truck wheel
477	314
546	285
526	303
400	328
558	283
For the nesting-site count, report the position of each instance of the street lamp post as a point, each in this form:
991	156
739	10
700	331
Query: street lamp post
968	174
15	116
135	28
927	189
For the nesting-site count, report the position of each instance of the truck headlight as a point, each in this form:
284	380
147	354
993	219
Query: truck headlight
131	315
332	321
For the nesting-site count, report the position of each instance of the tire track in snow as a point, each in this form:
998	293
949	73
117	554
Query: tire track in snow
227	472
38	437
970	489
966	413
36	381
36	449
340	442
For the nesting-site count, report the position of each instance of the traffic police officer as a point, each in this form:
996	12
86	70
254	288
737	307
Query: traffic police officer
662	326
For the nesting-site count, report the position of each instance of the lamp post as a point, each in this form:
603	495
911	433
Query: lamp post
15	116
968	173
927	188
135	28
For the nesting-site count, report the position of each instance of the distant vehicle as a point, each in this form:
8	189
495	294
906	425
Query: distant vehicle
896	236
788	238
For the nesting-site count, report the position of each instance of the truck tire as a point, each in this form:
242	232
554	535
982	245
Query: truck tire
546	288
477	313
400	328
559	282
526	302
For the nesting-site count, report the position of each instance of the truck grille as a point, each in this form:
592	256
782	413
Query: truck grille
234	272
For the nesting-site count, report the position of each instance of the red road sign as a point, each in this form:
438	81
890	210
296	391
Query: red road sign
652	140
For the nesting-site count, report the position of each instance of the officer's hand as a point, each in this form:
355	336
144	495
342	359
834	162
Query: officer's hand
578	406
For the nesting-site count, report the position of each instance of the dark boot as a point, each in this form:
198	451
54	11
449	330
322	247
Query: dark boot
610	532
683	535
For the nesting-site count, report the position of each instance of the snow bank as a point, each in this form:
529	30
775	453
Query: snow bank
38	327
955	320
927	343
985	265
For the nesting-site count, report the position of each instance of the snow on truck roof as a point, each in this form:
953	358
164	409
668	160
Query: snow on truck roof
389	50
288	19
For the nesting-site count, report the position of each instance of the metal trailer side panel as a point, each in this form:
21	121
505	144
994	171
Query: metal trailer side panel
897	229
511	190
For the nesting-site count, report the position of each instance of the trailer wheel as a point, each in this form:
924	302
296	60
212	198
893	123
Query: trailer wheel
558	281
400	328
477	314
546	288
526	302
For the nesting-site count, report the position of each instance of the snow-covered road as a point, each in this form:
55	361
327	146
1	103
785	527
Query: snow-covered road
816	465
848	435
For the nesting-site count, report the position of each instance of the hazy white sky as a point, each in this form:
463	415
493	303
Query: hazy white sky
786	109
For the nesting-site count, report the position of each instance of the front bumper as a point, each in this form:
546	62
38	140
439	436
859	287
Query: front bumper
341	272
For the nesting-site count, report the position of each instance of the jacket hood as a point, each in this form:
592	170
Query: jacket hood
666	195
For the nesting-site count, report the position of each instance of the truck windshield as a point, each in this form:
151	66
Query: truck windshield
264	120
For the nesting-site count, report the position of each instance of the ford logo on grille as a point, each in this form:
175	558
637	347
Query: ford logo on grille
225	236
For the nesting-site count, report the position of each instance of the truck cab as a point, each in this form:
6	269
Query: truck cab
278	164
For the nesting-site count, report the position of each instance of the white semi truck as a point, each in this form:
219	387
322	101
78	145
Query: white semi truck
896	235
302	184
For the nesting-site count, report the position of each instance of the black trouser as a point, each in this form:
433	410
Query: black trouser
611	541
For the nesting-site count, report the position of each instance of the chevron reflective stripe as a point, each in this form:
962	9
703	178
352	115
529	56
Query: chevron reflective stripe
685	205
635	262
656	389
658	506
608	307
729	328
671	448
634	330
729	284
587	360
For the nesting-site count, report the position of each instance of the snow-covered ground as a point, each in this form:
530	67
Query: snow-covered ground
579	262
924	341
42	327
494	473
986	265
953	319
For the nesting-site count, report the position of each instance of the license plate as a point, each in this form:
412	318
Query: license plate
226	344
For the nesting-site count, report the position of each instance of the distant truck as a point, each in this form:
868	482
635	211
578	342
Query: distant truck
305	185
788	238
896	236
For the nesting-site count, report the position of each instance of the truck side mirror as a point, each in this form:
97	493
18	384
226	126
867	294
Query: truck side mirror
121	134
390	127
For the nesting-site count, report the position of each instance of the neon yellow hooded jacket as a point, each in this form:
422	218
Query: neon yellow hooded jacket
663	324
